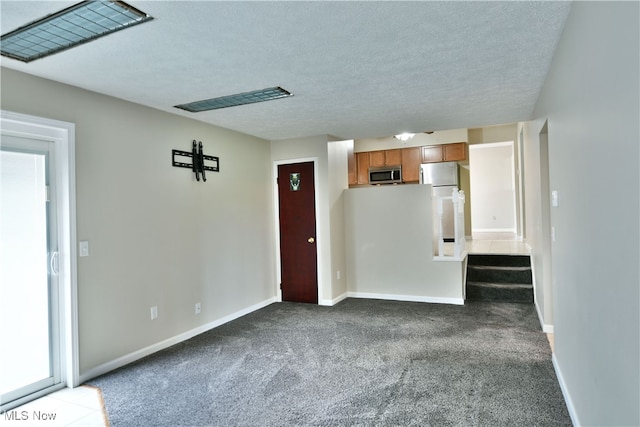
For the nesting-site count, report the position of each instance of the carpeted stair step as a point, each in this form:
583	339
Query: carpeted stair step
499	274
499	278
500	260
500	292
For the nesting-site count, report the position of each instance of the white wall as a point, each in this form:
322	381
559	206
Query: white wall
538	237
489	134
591	101
338	183
492	187
157	237
389	246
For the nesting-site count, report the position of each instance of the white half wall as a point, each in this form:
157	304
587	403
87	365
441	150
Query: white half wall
389	246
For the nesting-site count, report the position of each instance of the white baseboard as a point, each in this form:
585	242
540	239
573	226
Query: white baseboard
139	354
332	302
411	298
565	392
547	328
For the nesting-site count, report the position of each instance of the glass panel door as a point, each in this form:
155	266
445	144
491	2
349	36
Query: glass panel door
29	358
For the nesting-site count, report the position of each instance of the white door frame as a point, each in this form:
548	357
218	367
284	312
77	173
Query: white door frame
276	204
513	182
63	136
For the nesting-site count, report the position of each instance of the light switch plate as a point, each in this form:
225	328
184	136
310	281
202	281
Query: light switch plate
84	248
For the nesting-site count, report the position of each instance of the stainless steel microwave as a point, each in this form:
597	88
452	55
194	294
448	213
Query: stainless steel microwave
385	175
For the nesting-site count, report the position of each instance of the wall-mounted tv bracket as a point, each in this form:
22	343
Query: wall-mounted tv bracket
199	161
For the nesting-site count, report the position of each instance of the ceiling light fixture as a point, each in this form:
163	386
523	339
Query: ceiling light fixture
70	27
404	137
238	99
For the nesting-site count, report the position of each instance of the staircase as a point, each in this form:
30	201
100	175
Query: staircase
499	278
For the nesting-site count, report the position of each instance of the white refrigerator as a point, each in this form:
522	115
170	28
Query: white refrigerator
443	178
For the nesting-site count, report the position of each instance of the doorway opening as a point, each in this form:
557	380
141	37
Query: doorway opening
494	208
493	195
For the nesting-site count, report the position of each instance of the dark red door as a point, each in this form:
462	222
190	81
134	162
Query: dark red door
298	254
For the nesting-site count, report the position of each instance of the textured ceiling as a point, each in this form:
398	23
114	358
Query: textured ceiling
357	69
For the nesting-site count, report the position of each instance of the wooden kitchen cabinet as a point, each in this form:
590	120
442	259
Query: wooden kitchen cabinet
393	157
362	168
381	158
376	158
432	154
411	159
351	166
456	152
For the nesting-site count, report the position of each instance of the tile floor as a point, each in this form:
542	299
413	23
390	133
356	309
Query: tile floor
492	244
78	407
497	243
497	247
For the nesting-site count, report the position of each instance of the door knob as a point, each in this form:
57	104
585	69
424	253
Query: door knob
311	240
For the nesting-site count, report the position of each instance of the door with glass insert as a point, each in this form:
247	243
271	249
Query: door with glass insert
29	294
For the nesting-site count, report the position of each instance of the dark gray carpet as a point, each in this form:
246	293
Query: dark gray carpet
361	362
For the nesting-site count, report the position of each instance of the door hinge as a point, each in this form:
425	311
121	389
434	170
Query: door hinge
46	194
277	180
280	285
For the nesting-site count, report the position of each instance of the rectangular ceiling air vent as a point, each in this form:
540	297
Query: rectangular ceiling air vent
234	100
70	27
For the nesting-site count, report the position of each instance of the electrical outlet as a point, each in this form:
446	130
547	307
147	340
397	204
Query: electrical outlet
154	312
198	308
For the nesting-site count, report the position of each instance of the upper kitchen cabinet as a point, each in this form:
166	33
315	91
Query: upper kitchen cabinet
411	159
376	158
393	157
456	152
385	158
432	154
362	168
351	166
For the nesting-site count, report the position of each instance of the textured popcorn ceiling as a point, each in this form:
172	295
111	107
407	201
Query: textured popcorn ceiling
356	69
